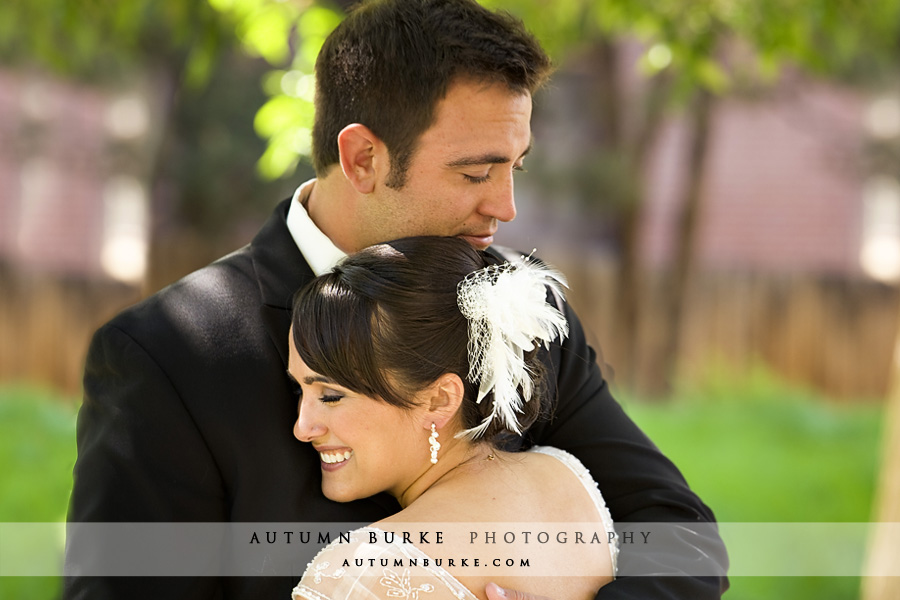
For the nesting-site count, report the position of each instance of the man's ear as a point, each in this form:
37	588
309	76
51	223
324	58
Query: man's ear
362	156
443	399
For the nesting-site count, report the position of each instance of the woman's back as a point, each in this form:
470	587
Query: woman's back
556	523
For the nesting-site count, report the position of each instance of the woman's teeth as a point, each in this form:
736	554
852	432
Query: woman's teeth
335	458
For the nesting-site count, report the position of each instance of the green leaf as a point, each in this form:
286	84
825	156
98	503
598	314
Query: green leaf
266	32
279	159
710	75
281	113
319	21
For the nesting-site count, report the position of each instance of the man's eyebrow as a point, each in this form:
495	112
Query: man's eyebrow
484	159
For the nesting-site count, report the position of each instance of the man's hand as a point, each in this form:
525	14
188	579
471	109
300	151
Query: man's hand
495	592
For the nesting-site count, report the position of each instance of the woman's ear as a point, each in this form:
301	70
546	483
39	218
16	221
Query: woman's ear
442	399
362	156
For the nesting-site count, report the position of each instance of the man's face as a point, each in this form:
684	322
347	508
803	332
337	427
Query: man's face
460	177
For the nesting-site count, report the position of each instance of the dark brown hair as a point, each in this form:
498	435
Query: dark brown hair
385	323
390	62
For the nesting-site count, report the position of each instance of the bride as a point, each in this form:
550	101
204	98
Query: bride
414	360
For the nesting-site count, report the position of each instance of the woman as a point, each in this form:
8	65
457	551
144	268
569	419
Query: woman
414	361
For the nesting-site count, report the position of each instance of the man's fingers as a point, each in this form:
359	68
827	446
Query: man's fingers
495	592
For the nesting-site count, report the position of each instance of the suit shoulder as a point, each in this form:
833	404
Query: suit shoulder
216	296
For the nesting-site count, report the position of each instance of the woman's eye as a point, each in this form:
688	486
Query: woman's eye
329	398
296	390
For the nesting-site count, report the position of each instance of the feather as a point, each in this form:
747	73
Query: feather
508	313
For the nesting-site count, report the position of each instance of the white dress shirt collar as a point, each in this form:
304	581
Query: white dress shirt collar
320	252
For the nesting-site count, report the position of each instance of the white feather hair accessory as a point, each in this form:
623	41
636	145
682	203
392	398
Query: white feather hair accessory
508	313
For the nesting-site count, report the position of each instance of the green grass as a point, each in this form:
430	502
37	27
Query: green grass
37	453
753	448
756	450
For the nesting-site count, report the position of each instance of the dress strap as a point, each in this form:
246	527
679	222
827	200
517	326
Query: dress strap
587	481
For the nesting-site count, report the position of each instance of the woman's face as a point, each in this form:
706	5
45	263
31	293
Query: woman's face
366	446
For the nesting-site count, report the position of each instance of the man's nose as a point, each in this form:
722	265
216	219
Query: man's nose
501	204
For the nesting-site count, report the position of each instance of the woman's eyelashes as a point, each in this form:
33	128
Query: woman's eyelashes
327	396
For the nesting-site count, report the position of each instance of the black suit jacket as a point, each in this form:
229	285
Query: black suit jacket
188	415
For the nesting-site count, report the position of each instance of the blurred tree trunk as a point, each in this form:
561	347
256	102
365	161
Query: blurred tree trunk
166	77
206	196
660	375
884	551
175	247
630	272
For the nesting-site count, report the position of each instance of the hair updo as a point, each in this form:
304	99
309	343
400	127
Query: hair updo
385	323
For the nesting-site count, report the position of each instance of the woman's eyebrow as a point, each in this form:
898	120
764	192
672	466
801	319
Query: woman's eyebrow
311	379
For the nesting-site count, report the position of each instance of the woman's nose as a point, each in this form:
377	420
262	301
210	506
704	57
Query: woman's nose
308	427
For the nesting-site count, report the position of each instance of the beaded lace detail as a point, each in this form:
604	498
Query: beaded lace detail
426	583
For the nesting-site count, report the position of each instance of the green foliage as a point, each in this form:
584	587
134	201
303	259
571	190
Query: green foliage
826	36
200	89
683	38
104	38
269	29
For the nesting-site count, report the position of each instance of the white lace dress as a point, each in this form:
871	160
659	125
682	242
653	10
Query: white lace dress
411	574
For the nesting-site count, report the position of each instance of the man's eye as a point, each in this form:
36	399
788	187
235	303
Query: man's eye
331	398
473	179
520	168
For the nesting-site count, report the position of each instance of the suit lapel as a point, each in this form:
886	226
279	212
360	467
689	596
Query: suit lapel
280	271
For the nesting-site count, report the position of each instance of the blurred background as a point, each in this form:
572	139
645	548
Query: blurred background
718	179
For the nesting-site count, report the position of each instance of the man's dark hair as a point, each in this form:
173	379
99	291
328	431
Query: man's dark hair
386	323
390	62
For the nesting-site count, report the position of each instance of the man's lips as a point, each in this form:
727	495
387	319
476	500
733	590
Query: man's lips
479	240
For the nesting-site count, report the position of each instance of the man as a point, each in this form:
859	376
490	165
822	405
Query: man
423	115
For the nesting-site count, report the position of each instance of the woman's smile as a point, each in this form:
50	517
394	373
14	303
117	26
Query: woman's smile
333	459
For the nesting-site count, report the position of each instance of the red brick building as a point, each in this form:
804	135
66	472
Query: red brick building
69	203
